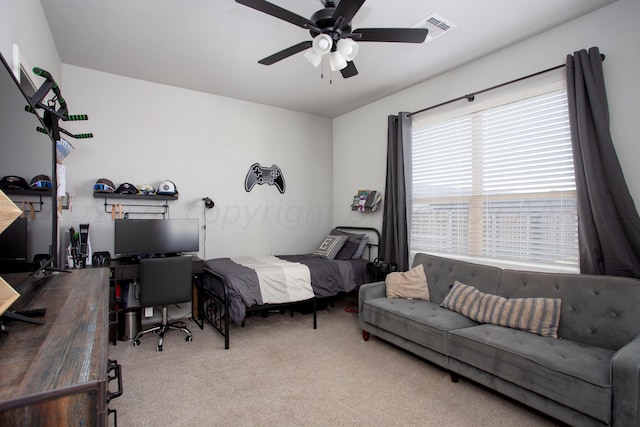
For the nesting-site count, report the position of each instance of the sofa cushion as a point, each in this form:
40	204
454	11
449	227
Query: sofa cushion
442	272
536	315
419	321
571	373
409	284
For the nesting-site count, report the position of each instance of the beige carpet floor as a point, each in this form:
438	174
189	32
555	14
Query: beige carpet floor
279	371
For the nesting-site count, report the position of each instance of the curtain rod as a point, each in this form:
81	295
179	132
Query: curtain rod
471	97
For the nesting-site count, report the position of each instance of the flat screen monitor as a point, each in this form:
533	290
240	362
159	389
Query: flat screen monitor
20	141
13	241
145	237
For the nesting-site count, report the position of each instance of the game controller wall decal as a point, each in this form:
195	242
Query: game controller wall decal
258	174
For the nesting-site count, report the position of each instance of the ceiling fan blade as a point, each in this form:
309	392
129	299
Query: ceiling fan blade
278	12
347	9
399	35
350	70
286	53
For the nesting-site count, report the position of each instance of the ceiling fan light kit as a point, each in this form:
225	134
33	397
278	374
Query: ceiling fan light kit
322	44
313	57
348	48
332	34
337	61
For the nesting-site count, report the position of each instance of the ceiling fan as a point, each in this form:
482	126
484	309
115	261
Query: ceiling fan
332	35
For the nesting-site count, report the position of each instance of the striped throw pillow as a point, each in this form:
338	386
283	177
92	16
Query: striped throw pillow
536	315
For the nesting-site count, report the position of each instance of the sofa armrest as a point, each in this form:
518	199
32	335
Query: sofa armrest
370	291
625	383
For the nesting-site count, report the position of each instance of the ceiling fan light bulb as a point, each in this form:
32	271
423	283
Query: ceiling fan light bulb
313	57
336	61
322	44
348	48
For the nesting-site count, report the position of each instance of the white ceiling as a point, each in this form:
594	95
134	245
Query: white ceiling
213	45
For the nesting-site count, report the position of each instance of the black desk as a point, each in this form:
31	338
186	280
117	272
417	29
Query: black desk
124	269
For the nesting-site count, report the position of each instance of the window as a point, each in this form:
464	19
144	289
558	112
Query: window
496	185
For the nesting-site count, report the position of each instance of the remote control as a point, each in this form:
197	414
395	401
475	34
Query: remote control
35	312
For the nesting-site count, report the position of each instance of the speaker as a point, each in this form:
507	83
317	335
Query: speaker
101	258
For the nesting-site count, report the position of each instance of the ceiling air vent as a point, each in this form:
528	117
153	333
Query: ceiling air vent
436	25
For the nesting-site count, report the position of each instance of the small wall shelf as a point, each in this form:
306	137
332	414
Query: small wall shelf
162	207
366	201
28	193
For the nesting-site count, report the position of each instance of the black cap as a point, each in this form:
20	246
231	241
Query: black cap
13	182
126	188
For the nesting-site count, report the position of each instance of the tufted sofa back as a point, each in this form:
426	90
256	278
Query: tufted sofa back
603	311
442	272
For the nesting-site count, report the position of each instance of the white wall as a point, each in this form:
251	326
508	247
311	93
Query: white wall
23	22
24	151
359	137
218	138
146	133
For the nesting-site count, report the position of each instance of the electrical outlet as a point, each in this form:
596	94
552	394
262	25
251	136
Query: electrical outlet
148	311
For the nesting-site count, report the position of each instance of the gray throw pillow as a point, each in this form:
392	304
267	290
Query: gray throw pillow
536	315
361	246
330	246
354	247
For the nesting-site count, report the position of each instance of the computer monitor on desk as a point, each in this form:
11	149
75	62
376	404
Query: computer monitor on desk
13	248
155	237
13	241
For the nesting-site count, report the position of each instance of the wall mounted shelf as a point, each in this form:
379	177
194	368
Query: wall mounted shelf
366	201
28	193
162	206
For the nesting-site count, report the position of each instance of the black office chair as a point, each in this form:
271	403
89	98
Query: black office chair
164	281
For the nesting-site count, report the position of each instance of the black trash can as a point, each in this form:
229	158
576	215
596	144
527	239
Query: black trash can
128	323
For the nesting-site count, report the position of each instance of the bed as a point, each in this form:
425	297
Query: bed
233	288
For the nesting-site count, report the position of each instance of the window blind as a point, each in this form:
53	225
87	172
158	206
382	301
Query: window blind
497	184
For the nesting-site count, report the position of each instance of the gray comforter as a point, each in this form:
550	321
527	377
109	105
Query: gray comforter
328	278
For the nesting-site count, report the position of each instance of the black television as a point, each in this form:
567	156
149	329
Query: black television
154	237
13	241
25	151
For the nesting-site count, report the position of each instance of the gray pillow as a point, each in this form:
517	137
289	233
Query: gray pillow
354	247
347	250
330	246
361	247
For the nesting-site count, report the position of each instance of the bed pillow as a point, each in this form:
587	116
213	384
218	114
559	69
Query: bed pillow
330	246
411	284
348	249
361	246
354	247
536	315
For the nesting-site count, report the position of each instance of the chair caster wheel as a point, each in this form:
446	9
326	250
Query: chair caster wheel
188	339
159	348
136	343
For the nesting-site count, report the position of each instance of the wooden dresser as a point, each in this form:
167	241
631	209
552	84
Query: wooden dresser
56	374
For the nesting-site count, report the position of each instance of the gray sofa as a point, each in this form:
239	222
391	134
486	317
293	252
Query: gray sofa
590	375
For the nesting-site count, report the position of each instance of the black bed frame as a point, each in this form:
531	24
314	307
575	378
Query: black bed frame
215	309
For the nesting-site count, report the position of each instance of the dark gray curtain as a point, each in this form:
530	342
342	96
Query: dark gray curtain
394	245
608	223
